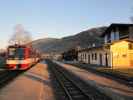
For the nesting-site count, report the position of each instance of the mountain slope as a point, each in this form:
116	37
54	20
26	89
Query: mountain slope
82	39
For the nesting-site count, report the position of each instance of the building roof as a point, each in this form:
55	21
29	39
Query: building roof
115	25
128	40
92	48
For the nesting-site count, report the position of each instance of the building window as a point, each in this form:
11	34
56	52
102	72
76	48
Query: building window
130	46
92	56
105	39
124	31
124	55
112	36
88	58
85	56
116	35
108	38
95	56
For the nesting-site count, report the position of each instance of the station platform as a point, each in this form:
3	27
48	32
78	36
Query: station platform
33	84
112	88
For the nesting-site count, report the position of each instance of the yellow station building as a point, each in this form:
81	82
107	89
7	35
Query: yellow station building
122	54
117	50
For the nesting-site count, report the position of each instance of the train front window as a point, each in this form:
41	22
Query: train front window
16	53
20	53
11	52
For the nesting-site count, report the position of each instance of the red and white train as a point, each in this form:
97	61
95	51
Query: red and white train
21	57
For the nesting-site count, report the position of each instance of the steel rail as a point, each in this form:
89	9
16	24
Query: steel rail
59	75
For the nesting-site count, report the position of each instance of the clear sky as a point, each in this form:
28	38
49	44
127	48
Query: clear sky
58	18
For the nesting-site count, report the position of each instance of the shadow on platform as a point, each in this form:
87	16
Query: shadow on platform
37	77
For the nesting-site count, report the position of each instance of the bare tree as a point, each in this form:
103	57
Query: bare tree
20	36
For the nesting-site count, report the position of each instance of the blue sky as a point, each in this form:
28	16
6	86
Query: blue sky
58	18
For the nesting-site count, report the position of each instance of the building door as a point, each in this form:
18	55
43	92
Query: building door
88	59
106	59
100	56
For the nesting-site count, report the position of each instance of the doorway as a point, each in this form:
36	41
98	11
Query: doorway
88	59
100	56
106	59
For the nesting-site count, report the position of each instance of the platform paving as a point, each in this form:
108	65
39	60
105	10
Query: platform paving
33	84
112	88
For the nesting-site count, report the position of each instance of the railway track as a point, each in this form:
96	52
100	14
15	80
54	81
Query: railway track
118	77
73	87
